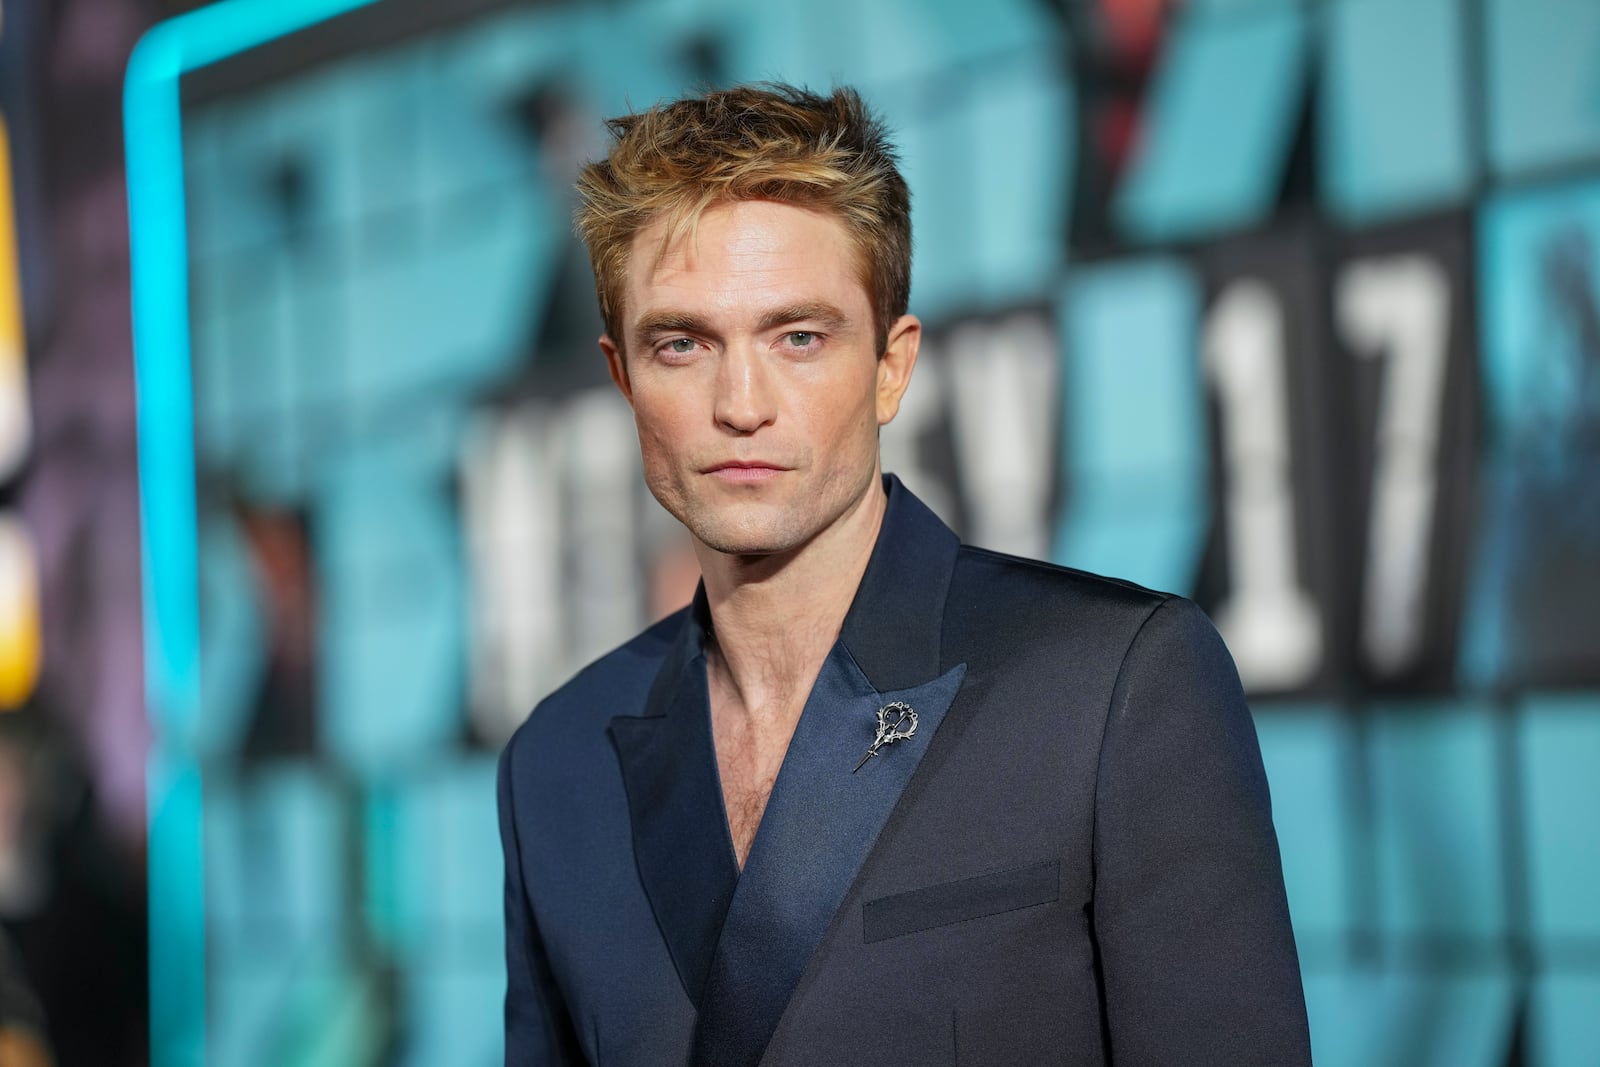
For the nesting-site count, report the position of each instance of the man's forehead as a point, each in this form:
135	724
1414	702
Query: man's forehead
749	252
727	233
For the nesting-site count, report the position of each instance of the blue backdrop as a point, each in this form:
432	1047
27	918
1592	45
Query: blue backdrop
1290	307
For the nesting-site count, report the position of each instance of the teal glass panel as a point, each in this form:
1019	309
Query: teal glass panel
1135	401
1149	531
232	639
1243	8
448	898
1436	802
934	150
1308	752
380	103
1218	124
453	1015
1393	107
1367	1018
970	33
1135	448
381	848
449	312
391	640
316	325
275	863
1563	1021
990	193
468	141
495	57
275	870
1543	83
1559	752
1530	616
253	377
1022	151
803	45
228	154
1532	352
449	891
321	1015
313	133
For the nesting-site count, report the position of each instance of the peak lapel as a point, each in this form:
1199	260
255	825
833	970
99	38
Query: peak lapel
819	826
822	820
894	626
680	832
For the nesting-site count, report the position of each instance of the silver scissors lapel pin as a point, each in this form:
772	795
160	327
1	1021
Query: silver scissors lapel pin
896	722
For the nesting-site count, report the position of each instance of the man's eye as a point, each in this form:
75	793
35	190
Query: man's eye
680	346
801	338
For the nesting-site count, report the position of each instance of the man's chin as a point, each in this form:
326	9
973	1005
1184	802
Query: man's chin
748	534
747	543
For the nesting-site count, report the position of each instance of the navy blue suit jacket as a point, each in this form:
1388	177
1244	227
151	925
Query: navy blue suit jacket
1071	861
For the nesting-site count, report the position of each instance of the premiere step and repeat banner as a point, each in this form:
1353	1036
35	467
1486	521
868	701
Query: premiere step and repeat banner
1290	308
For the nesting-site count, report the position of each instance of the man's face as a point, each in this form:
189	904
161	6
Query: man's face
750	366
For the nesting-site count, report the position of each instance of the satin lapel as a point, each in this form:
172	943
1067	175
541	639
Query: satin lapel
894	626
822	820
680	831
820	823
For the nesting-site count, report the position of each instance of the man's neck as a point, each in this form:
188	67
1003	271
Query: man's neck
775	618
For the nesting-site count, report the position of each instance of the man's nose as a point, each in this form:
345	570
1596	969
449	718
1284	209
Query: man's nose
745	400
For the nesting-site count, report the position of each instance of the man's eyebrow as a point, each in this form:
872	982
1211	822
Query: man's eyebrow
817	311
654	323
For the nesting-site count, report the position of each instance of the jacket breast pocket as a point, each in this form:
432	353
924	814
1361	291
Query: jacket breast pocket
967	898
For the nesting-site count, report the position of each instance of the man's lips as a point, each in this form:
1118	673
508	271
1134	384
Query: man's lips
745	471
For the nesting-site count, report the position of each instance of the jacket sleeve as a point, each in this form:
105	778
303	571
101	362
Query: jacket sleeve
539	1031
1191	922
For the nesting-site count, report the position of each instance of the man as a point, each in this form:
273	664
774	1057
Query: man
875	797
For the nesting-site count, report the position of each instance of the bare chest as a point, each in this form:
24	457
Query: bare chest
750	751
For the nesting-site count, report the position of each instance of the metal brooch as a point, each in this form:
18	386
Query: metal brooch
896	722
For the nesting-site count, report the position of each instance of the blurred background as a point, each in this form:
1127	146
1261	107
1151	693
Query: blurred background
312	482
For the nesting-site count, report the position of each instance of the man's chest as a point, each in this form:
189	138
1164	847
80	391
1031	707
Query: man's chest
750	751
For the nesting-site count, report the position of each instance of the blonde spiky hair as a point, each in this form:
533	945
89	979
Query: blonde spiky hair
765	142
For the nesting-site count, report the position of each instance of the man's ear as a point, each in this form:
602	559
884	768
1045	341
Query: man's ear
895	365
618	366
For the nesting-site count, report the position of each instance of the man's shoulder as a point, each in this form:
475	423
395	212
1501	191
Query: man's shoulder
1003	577
1012	613
1016	606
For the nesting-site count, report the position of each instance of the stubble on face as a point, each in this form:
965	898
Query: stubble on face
755	278
752	531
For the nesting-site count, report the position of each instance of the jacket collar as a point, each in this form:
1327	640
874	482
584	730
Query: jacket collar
821	822
889	644
893	627
680	827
